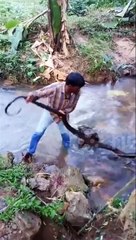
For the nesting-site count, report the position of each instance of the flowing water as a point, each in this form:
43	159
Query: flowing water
110	111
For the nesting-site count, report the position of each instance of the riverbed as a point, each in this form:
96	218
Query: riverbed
109	110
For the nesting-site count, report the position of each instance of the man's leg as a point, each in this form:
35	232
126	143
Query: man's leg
64	135
45	121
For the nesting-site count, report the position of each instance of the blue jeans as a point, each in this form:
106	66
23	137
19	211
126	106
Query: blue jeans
45	121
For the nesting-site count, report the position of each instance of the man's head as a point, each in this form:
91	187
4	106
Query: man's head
74	81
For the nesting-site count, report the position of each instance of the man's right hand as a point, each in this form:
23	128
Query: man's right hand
31	98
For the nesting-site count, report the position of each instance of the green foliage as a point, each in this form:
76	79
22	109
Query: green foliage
110	3
27	201
95	52
19	10
16	37
79	7
25	198
96	22
55	16
13	176
19	67
118	203
11	24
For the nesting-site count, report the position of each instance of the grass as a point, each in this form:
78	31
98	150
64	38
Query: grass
100	26
25	199
99	43
95	52
21	10
13	176
22	66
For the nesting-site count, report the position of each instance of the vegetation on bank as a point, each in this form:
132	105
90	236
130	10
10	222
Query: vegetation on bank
91	18
24	198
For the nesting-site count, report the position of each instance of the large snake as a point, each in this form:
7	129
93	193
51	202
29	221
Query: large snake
92	140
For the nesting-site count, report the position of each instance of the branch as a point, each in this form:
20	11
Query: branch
28	23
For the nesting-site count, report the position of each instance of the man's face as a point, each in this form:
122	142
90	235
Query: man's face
73	89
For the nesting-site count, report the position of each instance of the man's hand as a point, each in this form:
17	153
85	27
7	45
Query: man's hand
62	113
66	114
31	98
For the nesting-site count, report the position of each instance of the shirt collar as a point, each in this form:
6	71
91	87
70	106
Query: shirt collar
63	88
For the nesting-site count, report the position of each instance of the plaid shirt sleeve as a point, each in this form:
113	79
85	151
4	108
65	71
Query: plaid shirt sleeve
45	91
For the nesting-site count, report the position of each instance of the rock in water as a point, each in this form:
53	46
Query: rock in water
78	212
67	178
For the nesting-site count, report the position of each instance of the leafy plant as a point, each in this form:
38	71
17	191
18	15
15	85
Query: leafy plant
13	176
118	203
79	7
27	201
95	53
20	68
110	3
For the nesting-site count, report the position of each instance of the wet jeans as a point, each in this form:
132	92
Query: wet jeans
45	121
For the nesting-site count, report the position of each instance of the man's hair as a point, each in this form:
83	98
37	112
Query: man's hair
75	79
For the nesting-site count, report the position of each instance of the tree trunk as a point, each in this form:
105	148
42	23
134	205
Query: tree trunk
57	25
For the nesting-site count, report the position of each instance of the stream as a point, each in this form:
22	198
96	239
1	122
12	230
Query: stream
110	111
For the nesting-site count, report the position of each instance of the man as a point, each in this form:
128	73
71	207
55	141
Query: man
62	97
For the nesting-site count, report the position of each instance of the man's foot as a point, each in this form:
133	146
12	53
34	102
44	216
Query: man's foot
28	157
65	140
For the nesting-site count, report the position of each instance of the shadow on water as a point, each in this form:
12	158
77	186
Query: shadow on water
110	111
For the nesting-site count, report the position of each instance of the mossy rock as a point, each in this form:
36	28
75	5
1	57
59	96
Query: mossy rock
6	161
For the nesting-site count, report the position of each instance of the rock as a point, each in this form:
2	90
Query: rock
78	212
128	217
39	182
2	229
51	169
3	205
126	70
94	181
5	193
24	227
6	161
28	223
65	179
32	183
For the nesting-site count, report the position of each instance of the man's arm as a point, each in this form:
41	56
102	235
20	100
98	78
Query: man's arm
43	92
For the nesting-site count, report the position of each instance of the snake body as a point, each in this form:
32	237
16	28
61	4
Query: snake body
92	140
